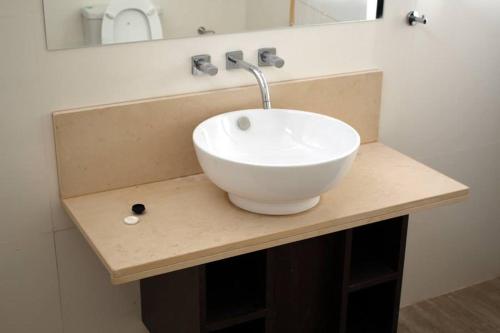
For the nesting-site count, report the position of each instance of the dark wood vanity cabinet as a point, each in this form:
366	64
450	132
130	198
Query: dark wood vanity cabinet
346	282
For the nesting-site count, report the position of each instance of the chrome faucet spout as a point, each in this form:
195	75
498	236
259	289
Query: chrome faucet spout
235	60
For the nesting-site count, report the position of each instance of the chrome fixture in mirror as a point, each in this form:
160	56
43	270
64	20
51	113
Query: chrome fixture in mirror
83	23
205	31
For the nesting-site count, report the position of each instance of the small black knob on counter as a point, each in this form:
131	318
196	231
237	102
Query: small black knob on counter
138	209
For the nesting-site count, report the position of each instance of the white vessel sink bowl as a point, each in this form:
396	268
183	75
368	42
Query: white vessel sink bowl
281	163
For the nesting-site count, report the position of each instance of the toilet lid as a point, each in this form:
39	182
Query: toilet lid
130	21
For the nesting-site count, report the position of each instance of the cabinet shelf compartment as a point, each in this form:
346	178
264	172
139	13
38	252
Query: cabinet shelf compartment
235	287
373	309
376	253
216	326
255	326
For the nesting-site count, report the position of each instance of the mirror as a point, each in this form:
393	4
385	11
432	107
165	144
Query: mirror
83	23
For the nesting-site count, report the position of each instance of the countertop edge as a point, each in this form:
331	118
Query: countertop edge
122	276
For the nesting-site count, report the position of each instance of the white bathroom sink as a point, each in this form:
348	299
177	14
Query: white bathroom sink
276	161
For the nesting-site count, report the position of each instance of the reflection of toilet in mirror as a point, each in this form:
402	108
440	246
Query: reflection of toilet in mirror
121	21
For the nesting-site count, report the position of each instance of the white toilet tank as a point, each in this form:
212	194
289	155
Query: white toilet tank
92	23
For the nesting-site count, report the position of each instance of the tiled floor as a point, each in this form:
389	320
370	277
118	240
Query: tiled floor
474	309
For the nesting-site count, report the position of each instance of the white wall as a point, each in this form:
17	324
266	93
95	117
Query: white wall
182	18
264	14
340	10
307	14
440	105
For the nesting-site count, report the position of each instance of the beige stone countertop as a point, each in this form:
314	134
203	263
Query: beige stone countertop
189	221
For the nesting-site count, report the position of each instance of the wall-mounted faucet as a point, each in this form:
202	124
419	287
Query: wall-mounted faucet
267	57
234	60
201	65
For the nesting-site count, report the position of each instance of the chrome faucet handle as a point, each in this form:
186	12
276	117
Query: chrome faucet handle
267	57
414	17
201	65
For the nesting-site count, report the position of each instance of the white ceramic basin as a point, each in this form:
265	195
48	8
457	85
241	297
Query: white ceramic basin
281	163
